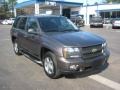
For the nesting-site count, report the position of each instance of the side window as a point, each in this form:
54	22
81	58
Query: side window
32	24
16	22
22	23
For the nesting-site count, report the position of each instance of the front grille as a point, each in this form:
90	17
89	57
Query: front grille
91	52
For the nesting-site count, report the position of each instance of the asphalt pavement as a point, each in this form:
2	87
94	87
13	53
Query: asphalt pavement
20	73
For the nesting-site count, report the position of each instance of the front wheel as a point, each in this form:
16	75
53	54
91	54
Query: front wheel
50	65
16	48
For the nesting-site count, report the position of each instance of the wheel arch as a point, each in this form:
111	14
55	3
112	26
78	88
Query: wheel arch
13	39
43	51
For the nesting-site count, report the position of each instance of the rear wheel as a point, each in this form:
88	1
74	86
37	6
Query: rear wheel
101	26
91	26
16	48
50	65
113	27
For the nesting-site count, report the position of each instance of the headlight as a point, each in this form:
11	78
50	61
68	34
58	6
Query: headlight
104	45
71	52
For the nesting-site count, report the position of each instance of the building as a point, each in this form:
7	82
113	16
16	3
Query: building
1	2
55	7
103	10
67	8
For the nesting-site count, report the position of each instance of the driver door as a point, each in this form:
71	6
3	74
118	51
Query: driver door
33	40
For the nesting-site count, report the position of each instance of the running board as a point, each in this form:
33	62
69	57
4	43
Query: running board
39	62
33	59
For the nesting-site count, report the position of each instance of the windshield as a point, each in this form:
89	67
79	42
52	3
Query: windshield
56	24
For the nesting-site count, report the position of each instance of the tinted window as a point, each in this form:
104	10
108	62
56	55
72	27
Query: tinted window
22	23
16	22
32	24
50	24
96	19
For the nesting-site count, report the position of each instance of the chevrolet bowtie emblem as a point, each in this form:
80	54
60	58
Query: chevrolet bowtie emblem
94	50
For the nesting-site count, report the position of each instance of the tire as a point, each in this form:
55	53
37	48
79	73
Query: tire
101	26
113	27
16	48
91	26
50	65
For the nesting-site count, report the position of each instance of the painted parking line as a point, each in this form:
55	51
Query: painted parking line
4	39
117	31
106	82
113	30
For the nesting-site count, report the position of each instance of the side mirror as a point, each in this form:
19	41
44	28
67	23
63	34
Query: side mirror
32	31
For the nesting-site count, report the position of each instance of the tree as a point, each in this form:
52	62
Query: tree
114	1
4	10
12	4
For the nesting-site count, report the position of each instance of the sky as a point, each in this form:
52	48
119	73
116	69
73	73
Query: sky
81	1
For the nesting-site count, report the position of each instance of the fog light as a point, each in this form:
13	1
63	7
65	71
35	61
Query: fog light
74	67
103	52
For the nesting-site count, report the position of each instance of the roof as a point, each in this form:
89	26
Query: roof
31	2
103	7
102	4
66	2
24	4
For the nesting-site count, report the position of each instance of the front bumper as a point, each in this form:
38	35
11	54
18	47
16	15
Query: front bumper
96	24
81	65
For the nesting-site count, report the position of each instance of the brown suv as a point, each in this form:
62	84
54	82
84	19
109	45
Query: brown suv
58	44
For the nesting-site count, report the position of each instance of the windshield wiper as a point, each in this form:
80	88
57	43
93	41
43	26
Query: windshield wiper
52	30
69	30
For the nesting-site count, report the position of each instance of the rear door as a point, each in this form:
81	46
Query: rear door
22	34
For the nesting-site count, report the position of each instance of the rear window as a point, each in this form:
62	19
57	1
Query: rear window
96	18
22	23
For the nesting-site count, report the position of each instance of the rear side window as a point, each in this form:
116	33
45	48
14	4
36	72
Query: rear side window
16	22
22	23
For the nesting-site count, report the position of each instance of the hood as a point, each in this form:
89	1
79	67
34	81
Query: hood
81	38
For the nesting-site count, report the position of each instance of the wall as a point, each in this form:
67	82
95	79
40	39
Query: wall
93	10
87	12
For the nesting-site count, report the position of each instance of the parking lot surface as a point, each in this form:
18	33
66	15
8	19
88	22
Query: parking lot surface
20	73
